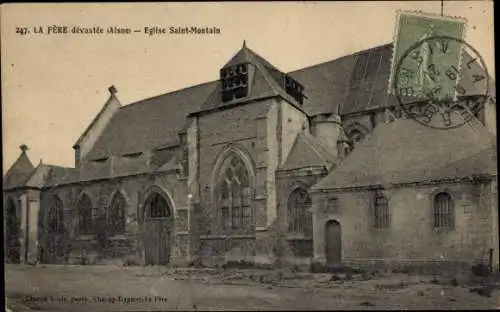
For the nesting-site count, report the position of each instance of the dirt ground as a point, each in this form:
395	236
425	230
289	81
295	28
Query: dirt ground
116	288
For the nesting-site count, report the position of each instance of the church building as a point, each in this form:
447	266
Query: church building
263	167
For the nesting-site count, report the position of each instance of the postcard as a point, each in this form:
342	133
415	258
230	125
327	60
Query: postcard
249	156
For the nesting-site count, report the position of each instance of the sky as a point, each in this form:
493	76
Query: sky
54	85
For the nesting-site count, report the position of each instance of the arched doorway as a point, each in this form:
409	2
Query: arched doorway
55	232
158	229
13	249
333	243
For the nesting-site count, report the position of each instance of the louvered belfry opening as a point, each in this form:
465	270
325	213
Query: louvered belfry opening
295	89
234	81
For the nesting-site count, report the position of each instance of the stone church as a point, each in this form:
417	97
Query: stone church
317	165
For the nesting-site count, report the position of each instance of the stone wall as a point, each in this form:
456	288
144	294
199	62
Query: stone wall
134	189
289	250
411	236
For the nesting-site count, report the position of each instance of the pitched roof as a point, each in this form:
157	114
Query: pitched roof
406	151
111	100
308	151
114	166
357	82
350	84
149	123
60	175
246	55
18	173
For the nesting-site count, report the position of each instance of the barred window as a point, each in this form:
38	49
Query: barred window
443	211
381	211
116	215
85	215
56	216
299	213
233	196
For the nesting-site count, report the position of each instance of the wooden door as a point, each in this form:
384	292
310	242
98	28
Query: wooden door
158	229
333	243
157	242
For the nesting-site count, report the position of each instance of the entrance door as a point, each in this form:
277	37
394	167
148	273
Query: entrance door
55	233
13	248
333	243
158	229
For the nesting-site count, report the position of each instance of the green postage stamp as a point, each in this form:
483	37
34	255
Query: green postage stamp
420	46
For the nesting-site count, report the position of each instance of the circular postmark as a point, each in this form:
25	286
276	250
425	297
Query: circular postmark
441	82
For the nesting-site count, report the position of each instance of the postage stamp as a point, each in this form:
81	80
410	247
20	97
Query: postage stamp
439	79
196	162
414	27
452	94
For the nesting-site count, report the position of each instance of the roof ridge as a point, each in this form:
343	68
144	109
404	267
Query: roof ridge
339	58
167	93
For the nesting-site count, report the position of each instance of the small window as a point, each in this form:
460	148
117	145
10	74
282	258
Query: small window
381	213
443	211
332	205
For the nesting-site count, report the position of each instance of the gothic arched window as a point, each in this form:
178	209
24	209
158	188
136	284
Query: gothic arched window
116	216
157	207
443	211
84	215
233	195
299	213
56	216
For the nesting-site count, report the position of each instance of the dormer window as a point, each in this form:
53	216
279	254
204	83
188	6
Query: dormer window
295	89
234	81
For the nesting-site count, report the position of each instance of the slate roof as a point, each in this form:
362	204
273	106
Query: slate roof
350	84
358	82
112	167
308	151
149	123
18	173
404	151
